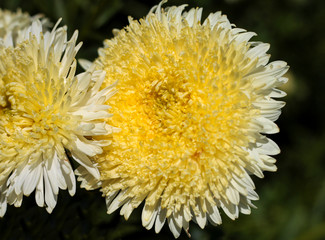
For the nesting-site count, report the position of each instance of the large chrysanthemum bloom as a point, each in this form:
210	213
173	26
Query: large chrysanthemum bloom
50	112
194	101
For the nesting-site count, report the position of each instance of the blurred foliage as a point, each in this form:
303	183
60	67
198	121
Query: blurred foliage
292	200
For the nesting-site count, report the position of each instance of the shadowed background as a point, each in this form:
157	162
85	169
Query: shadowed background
292	200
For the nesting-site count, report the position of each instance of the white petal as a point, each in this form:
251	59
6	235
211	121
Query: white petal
213	214
268	126
254	169
252	195
93	114
230	209
258	50
149	214
19	177
214	18
232	195
117	202
152	220
248	181
32	179
244	37
59	173
201	218
276	93
109	198
239	186
68	175
3	200
39	193
85	64
127	209
52	174
174	228
83	81
50	197
268	148
87	147
187	213
84	161
269	104
18	200
160	219
178	217
272	115
244	206
87	180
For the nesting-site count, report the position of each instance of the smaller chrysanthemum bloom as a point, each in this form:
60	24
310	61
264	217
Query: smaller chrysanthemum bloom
11	24
50	113
195	98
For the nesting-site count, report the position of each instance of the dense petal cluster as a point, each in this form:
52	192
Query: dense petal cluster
12	26
48	112
11	23
195	98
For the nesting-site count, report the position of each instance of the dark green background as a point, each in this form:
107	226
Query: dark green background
292	200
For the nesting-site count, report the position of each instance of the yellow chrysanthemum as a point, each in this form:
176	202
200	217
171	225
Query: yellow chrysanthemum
48	112
193	101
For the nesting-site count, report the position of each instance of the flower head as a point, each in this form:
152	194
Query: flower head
13	22
49	112
12	26
194	99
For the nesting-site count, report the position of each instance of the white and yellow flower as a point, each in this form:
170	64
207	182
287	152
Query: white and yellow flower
49	112
11	23
194	101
